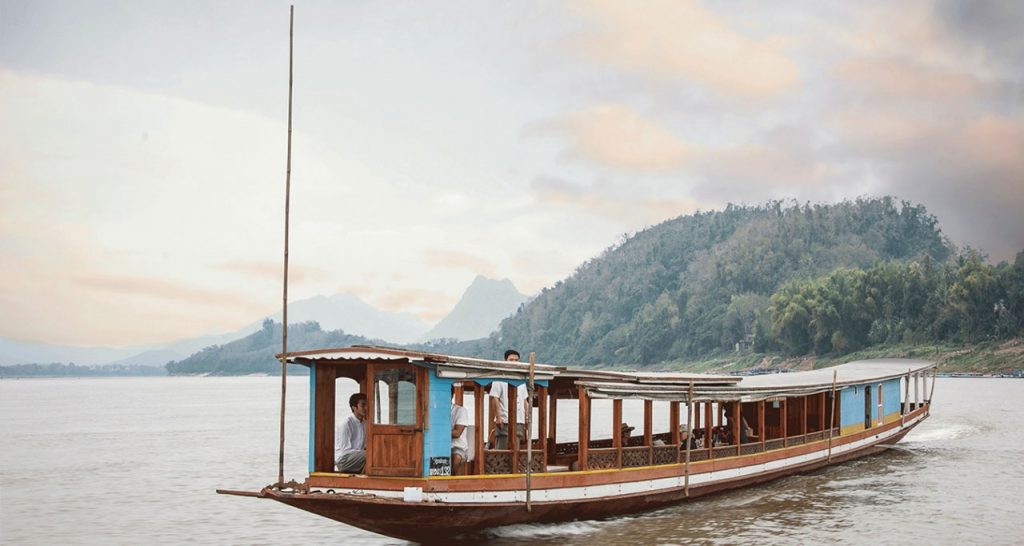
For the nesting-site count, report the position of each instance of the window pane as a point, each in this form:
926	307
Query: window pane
395	397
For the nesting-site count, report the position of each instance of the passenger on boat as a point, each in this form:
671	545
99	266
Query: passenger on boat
684	436
745	430
460	444
625	431
350	452
498	404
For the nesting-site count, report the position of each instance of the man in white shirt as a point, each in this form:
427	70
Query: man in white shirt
498	392
460	444
350	450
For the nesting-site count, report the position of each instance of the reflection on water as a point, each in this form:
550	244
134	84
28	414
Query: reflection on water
119	461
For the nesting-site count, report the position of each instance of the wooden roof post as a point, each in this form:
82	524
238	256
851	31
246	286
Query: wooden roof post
584	428
542	425
803	418
689	431
832	415
478	409
649	430
673	425
935	375
821	412
617	430
513	434
760	424
552	425
737	425
785	422
709	438
905	408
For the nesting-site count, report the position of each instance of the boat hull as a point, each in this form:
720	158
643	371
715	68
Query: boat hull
437	519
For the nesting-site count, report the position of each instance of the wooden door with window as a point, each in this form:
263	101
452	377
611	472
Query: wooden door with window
394	435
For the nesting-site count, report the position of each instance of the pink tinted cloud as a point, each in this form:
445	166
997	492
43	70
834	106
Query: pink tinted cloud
681	40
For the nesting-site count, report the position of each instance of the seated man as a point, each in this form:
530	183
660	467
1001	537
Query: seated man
460	444
745	430
685	436
625	431
350	450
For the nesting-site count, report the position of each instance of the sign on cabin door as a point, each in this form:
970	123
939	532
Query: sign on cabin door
394	436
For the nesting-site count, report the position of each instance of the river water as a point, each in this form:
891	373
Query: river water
133	460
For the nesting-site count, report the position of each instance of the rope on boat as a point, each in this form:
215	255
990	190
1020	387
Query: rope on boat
832	416
689	419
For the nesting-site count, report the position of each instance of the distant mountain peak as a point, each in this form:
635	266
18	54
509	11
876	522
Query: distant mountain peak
484	304
348	312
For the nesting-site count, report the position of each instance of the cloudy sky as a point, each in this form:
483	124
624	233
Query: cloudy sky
142	144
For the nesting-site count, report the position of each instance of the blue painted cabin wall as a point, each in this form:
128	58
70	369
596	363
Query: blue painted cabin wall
437	435
891	396
852	401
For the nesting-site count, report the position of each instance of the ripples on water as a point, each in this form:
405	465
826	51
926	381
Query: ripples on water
122	461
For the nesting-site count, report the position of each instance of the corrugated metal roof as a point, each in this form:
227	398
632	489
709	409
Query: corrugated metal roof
449	366
860	371
645	385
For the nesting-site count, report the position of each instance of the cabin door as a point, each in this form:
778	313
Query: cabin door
394	436
881	406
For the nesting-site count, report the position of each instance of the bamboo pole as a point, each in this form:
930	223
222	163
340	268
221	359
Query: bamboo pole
832	415
529	432
287	206
688	440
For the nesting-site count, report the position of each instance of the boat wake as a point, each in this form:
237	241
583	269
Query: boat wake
543	530
942	434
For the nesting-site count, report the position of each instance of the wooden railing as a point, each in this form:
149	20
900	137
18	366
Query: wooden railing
602	454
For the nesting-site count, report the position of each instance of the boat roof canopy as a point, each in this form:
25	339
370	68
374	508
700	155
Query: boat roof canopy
670	386
455	367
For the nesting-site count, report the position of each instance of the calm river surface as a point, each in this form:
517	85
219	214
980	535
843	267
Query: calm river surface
136	460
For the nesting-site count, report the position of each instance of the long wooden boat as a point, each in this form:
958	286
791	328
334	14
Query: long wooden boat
792	422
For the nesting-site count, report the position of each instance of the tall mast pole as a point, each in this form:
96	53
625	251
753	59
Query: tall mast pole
287	205
529	431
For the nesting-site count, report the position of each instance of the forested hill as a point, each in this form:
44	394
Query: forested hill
702	283
255	352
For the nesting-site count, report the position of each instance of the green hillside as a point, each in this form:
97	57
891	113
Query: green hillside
783	278
255	352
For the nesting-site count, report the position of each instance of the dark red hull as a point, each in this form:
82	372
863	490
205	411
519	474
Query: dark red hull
427	522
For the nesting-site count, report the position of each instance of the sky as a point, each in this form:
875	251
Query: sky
143	143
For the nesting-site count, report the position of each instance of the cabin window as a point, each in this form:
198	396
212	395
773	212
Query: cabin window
867	407
394	397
